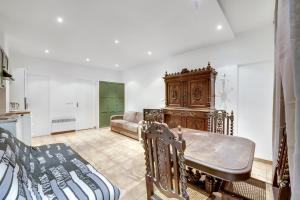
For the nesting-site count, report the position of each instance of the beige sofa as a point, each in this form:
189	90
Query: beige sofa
128	124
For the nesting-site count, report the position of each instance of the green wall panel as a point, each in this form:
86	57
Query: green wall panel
111	101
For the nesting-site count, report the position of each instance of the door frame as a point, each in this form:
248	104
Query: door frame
95	104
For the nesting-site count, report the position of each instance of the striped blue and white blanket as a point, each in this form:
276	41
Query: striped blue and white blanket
48	172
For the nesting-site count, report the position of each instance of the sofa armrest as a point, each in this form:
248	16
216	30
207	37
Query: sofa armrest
140	127
116	117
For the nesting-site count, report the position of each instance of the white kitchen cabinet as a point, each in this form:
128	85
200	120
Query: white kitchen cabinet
19	126
24	133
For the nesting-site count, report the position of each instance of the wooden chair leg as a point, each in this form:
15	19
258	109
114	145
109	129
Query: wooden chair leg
218	195
149	186
222	185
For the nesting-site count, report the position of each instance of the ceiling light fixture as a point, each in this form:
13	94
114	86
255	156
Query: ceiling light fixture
46	51
87	59
60	20
149	53
117	65
117	41
219	27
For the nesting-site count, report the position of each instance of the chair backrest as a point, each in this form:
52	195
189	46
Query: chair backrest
165	163
221	122
281	179
153	115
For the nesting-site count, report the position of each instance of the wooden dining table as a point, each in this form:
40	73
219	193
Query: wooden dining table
229	158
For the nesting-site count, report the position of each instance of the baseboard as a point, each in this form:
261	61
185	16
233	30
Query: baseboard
62	132
269	162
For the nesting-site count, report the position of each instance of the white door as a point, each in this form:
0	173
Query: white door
86	104
38	104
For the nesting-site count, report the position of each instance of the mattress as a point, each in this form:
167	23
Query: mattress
53	171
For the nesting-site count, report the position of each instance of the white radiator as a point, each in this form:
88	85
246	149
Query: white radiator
61	125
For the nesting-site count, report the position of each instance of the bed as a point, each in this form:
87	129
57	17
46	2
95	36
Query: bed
52	171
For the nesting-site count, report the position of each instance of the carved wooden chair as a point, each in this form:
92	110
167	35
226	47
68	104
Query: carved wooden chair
281	181
153	115
164	155
221	122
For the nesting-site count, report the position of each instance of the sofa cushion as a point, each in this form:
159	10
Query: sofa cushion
118	123
138	117
130	116
130	126
57	172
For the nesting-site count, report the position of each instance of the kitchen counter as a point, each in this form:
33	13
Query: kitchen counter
18	123
14	113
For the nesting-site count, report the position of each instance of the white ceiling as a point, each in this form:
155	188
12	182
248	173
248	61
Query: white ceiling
245	15
165	27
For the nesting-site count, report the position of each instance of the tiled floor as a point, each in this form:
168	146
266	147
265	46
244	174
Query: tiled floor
121	159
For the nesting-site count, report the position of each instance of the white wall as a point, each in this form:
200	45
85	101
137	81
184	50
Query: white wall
226	90
4	92
3	42
255	105
251	47
63	81
144	86
1	39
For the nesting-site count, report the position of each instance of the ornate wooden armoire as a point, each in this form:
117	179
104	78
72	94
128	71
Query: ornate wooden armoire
190	97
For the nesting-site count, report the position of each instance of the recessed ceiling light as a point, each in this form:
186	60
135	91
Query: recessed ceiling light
60	20
117	65
87	59
117	41
46	51
219	27
149	53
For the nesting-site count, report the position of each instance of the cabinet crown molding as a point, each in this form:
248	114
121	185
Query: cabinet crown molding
185	71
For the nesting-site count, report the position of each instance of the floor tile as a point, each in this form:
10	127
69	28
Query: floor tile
121	159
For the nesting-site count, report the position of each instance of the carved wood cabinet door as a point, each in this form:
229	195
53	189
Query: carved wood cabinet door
174	94
199	93
190	96
196	123
173	121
